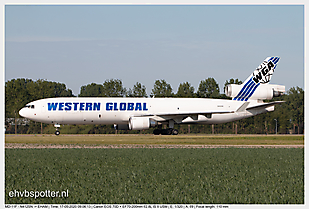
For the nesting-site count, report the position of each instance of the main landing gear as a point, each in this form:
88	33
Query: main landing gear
169	131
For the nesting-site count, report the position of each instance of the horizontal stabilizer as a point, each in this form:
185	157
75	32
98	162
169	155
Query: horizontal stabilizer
265	105
243	107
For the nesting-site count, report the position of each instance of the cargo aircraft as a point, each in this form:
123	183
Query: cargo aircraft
144	113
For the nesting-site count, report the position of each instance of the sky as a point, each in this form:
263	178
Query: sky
83	44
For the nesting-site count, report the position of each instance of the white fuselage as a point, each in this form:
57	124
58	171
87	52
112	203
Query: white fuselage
111	110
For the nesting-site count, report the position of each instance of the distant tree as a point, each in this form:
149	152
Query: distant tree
138	90
295	106
185	90
91	90
46	89
208	88
16	96
113	88
162	89
232	81
60	90
227	82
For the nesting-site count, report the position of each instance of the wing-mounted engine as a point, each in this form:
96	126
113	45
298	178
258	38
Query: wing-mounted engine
263	91
140	123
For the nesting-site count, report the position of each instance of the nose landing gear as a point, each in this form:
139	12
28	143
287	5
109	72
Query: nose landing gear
57	131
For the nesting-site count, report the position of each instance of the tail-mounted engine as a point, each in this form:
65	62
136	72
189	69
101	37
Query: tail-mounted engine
264	91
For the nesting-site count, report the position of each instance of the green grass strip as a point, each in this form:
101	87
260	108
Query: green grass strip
208	176
154	140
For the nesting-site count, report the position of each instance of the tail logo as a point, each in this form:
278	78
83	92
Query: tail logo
264	72
261	75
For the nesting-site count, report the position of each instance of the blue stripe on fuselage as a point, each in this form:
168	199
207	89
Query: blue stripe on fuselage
251	88
243	88
257	85
248	89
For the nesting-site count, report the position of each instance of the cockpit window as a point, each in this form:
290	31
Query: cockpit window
30	106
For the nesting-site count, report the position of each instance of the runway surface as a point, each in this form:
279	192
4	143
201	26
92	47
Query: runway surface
128	146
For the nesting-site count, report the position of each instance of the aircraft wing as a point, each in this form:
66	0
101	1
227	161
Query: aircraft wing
178	117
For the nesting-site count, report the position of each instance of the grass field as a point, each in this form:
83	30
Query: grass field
154	140
224	175
218	176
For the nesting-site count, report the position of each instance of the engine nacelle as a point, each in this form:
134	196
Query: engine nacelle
264	91
231	90
140	123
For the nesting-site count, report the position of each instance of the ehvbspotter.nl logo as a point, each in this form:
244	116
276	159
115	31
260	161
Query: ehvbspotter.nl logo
38	194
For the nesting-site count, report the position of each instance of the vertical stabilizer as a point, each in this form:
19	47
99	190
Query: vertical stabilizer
261	75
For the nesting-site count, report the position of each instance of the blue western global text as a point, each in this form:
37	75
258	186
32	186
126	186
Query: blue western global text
114	106
96	106
75	106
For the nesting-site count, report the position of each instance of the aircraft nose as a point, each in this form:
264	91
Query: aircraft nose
22	112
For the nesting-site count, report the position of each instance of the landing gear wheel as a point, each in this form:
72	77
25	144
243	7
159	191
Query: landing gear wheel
57	133
167	131
156	132
175	132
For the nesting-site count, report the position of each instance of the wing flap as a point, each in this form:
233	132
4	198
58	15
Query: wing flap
192	113
178	117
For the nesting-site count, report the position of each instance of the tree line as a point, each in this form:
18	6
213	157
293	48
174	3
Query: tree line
289	116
